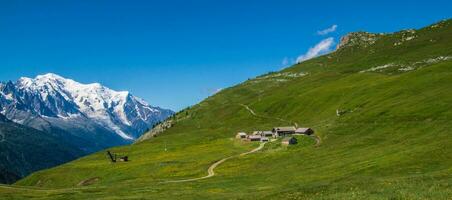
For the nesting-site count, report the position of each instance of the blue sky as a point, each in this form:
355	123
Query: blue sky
175	53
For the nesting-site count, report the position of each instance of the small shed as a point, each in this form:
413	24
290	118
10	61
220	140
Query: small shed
241	135
289	141
264	139
124	158
282	131
306	131
117	158
254	138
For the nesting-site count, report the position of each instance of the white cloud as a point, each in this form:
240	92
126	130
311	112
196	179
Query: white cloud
320	48
328	30
285	61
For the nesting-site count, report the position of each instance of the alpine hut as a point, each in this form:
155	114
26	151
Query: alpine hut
306	131
241	135
254	137
283	131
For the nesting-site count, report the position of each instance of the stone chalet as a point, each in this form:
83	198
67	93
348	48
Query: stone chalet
283	131
241	135
306	131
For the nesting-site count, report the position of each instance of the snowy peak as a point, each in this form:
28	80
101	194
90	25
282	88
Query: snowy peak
53	96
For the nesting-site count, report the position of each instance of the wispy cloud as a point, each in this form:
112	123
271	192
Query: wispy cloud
328	30
320	48
285	61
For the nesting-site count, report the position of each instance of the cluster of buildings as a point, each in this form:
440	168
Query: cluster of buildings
285	132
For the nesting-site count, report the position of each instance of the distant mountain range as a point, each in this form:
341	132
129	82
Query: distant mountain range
89	117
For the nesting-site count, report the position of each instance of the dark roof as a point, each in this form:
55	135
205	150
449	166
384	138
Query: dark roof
302	130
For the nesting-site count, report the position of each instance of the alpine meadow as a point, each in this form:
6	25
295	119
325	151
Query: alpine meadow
380	107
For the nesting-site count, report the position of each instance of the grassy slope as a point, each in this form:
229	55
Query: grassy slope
391	142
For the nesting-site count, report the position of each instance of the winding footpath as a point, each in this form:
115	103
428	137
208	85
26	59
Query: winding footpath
211	172
317	140
249	110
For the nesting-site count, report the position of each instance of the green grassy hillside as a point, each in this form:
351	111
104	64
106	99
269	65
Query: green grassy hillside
390	141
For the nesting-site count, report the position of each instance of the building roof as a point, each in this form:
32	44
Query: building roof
285	128
257	132
254	136
302	130
262	132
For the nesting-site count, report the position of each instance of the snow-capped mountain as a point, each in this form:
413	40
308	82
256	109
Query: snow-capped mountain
50	101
